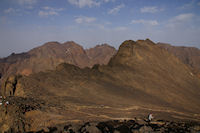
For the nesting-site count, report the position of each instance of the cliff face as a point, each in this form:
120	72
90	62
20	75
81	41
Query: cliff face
139	79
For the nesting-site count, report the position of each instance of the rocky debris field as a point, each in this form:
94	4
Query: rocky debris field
14	115
126	126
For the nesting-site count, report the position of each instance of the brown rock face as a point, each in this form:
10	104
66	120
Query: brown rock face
6	63
188	55
51	54
139	79
100	54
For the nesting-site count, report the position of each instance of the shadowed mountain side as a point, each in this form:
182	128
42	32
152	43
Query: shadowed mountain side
139	79
188	55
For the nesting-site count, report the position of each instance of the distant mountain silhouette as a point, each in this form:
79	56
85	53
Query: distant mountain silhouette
140	78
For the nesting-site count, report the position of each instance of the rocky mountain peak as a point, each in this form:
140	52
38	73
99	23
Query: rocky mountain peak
131	51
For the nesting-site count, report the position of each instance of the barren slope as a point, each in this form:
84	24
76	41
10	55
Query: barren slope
139	79
188	55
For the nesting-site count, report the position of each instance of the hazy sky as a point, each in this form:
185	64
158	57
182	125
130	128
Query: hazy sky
25	24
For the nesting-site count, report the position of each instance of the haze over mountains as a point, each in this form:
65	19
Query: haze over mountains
140	78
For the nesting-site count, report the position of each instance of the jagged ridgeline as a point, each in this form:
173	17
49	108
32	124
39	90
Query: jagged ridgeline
140	78
51	54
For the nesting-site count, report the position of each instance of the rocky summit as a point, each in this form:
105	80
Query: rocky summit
141	78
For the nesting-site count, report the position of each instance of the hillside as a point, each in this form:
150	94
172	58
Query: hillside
139	79
188	55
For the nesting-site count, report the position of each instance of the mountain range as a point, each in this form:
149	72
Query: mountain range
141	77
51	54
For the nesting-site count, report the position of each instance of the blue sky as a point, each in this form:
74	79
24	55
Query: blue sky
25	24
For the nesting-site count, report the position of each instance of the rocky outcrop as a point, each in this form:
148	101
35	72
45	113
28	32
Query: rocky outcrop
10	85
